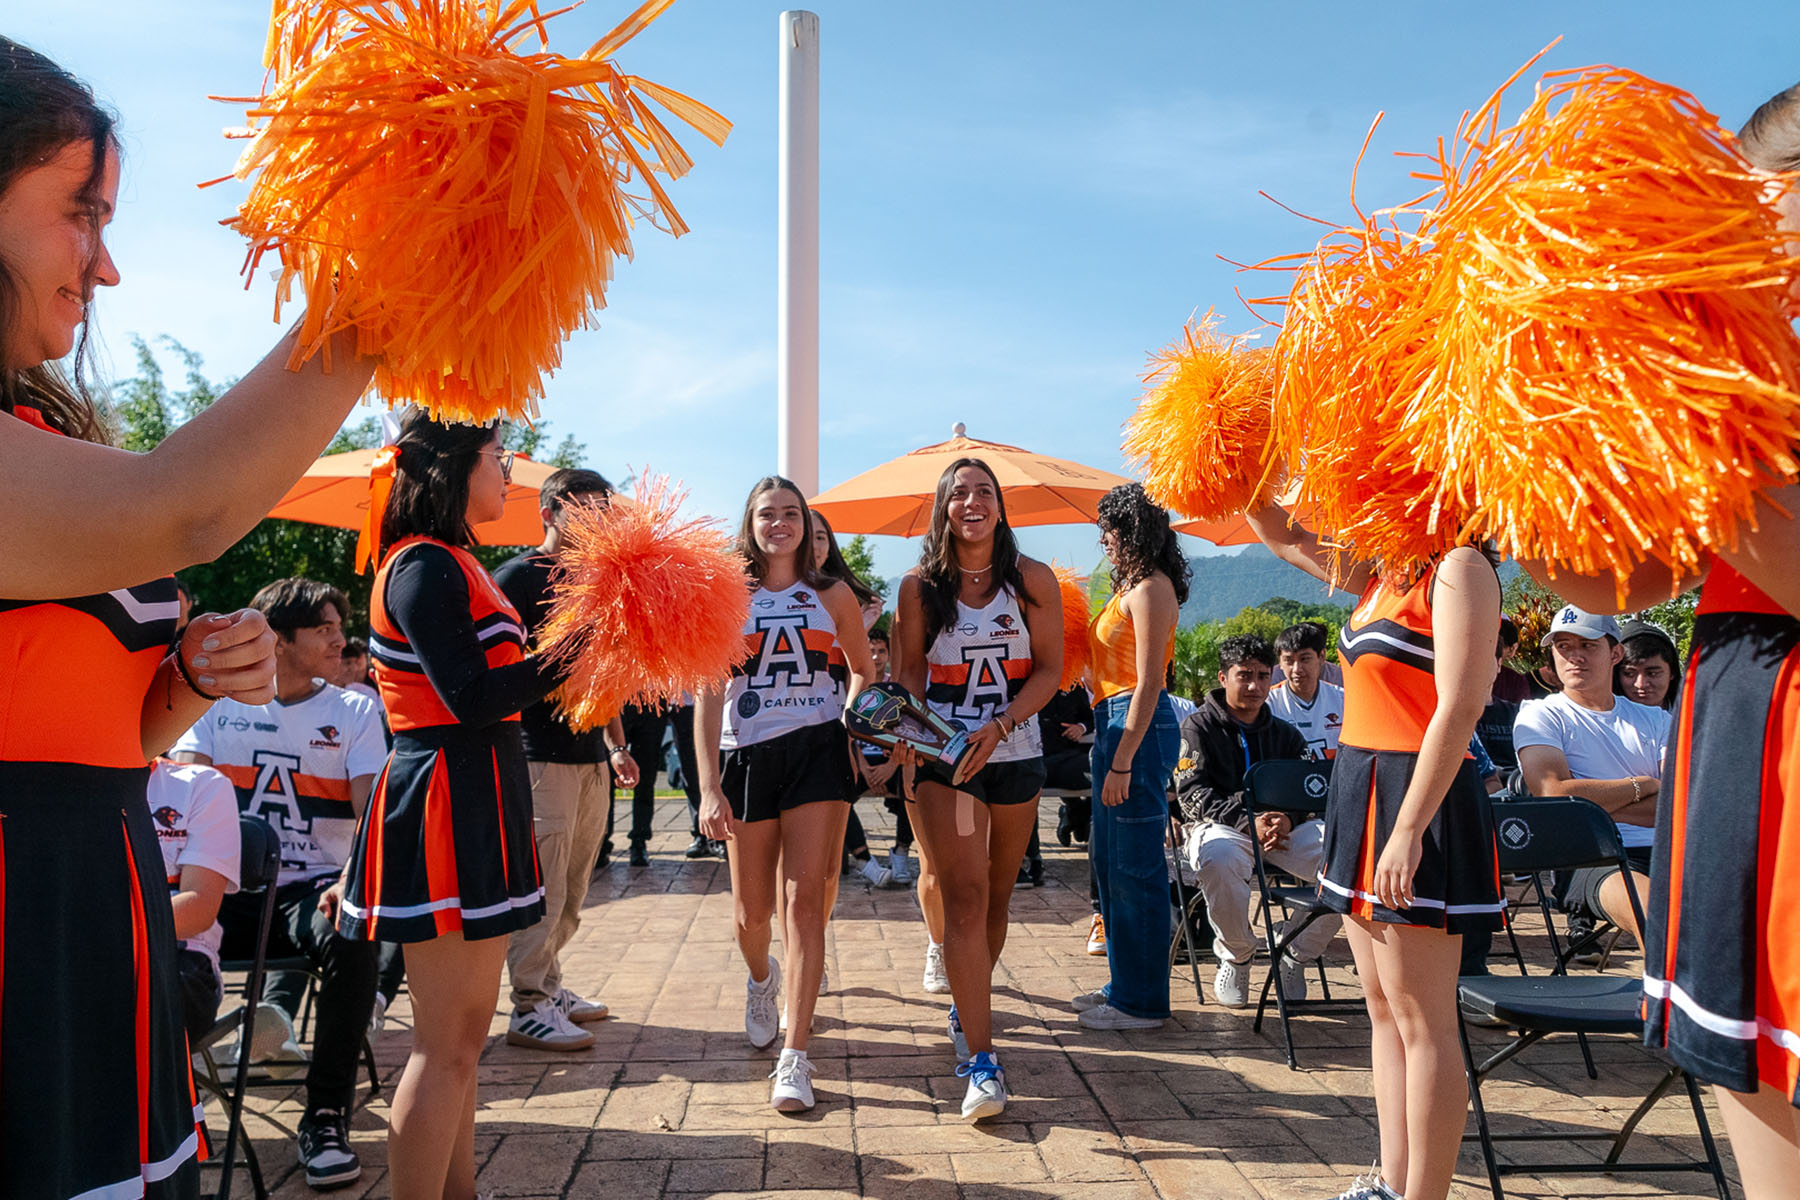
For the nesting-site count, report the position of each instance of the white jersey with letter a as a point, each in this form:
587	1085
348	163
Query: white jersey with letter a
786	682
1319	721
978	665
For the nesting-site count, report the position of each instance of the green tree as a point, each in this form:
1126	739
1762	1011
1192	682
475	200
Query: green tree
1197	658
859	556
1256	620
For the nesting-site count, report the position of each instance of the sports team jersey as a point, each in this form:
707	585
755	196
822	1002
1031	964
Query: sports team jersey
1319	722
194	810
978	665
1388	656
785	684
292	765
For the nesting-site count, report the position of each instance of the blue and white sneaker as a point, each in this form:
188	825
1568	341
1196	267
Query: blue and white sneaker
958	1042
1370	1187
986	1096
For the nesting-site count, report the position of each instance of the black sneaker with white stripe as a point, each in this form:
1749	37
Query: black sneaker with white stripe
325	1149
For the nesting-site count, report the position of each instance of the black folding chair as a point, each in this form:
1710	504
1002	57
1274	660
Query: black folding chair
1190	906
258	866
1297	791
1547	835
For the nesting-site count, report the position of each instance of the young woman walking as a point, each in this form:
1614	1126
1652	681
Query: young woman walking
780	794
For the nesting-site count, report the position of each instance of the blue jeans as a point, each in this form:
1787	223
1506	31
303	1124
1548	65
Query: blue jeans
1126	843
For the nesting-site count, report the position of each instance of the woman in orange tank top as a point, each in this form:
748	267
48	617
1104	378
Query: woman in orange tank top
95	1091
1409	844
1722	926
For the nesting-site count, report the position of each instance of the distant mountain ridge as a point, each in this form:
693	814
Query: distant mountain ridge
1223	585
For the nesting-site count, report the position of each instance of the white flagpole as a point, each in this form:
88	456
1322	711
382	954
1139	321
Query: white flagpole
798	283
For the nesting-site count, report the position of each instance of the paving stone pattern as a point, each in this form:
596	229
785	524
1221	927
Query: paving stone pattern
671	1100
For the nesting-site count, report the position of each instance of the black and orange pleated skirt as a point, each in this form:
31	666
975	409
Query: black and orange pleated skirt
1722	936
445	844
96	1096
1457	885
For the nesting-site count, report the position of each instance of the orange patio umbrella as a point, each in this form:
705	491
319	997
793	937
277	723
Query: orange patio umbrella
1235	530
335	491
895	498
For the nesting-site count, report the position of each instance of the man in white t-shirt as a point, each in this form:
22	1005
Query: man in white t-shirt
306	763
1303	698
1585	741
194	812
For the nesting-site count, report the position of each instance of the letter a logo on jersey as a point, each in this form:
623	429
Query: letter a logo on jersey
783	652
273	798
987	687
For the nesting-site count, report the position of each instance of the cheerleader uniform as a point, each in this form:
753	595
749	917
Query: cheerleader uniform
96	1096
1722	939
445	844
781	737
1389	698
976	667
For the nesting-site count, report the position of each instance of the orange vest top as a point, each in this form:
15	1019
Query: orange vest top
73	673
411	701
1387	654
1112	653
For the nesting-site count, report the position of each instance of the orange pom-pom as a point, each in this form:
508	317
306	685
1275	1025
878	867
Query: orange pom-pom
458	202
647	605
1200	436
1075	628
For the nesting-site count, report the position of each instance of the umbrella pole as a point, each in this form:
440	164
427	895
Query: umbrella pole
798	285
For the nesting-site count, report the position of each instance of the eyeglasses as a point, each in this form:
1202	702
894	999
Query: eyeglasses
505	459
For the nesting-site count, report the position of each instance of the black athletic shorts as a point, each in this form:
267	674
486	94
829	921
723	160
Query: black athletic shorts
1016	782
1582	896
804	766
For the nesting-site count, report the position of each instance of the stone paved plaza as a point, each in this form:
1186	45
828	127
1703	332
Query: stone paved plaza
671	1101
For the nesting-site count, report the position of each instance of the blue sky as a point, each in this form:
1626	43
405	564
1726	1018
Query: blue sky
1020	199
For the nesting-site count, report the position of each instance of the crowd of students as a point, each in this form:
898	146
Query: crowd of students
466	836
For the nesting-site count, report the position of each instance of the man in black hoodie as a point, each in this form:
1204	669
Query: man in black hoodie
1231	731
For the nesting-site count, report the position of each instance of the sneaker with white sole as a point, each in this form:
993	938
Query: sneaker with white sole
579	1009
1105	1016
762	1008
1369	1187
900	869
324	1147
986	1096
1293	978
793	1082
1087	1000
958	1042
936	981
274	1052
877	875
546	1027
1232	984
1096	943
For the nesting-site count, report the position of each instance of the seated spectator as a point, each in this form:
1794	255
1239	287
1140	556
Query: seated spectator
1303	699
195	815
1585	741
1495	729
1650	669
1232	731
1329	671
878	650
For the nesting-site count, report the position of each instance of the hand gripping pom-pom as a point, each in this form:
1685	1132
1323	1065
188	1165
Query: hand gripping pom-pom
646	605
1075	628
1200	436
456	201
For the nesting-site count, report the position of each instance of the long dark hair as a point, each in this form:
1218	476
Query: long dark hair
1146	543
43	109
755	560
940	575
431	481
835	567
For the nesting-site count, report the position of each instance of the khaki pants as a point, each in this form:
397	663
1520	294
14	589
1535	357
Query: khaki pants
569	801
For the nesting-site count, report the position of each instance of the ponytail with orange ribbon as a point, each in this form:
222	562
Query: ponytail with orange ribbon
381	484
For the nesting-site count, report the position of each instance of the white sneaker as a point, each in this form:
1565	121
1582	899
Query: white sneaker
793	1082
1232	984
986	1096
578	1009
958	1042
378	1014
1293	978
546	1028
762	1010
274	1052
1087	1000
936	981
900	869
876	874
1369	1187
1105	1016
